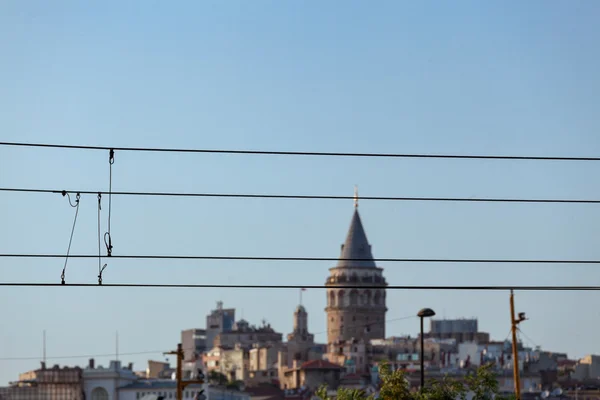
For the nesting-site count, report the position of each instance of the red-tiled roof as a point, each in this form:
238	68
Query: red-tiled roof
319	364
566	362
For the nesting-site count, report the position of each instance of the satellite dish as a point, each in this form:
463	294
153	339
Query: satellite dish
545	394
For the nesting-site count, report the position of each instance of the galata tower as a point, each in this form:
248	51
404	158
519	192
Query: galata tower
355	290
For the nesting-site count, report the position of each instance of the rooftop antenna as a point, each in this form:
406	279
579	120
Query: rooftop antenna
44	347
117	345
355	196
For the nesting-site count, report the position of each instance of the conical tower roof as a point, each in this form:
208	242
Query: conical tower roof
356	246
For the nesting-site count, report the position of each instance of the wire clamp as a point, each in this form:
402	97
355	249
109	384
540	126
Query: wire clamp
100	275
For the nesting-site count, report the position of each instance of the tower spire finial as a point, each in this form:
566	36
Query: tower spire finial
355	196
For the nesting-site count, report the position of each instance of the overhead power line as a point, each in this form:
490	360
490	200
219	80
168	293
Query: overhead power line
261	258
304	197
231	286
360	325
366	324
302	153
82	356
527	337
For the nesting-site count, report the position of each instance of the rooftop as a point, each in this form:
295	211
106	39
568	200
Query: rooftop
356	246
319	364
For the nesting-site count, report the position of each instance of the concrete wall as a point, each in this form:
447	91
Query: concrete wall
313	379
454	325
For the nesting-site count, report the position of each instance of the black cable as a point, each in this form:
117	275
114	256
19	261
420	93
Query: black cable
100	267
303	197
76	206
230	286
258	258
527	337
303	153
81	356
365	324
107	236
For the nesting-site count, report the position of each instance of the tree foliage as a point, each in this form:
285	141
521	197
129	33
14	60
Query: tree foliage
478	385
217	378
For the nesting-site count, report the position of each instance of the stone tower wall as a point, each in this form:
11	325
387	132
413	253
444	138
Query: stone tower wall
355	313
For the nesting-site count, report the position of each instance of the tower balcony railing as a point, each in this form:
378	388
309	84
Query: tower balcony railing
356	280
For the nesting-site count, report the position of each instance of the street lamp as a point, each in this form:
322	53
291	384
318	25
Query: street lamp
423	313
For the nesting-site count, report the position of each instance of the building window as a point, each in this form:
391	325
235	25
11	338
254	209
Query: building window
341	302
354	298
99	394
377	298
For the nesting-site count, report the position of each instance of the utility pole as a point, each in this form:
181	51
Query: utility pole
513	323
181	384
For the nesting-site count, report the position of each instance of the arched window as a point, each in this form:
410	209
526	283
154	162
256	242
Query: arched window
332	299
377	298
99	394
340	300
354	298
366	298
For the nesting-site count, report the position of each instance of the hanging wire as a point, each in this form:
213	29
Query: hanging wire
305	153
82	356
107	237
266	258
100	267
319	197
527	337
76	206
364	325
533	288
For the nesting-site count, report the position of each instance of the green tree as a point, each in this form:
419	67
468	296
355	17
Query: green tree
481	383
217	378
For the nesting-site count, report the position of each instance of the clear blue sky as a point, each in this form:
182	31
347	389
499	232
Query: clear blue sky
471	77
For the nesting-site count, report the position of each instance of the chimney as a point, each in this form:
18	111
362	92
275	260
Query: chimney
43	364
92	363
130	366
